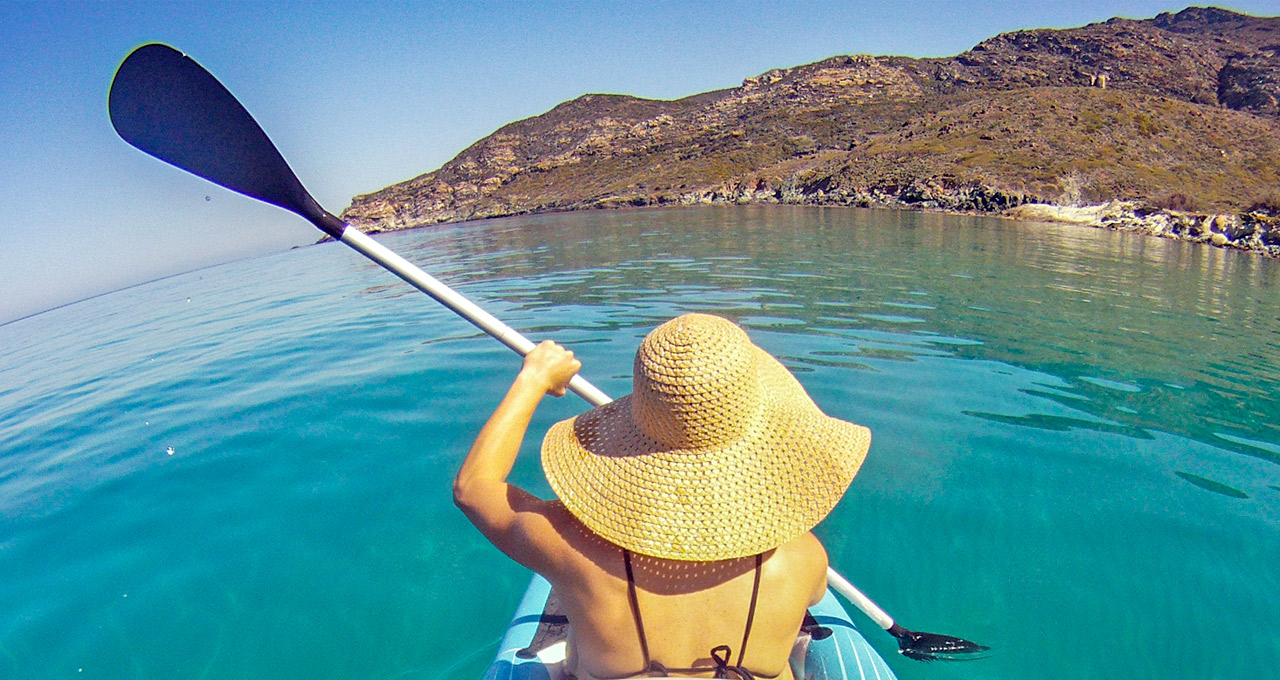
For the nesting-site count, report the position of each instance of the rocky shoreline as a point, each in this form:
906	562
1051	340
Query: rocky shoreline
1255	232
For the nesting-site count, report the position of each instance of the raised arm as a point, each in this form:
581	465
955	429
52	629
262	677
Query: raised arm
512	519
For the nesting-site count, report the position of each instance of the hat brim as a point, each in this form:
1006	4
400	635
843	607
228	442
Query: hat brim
777	481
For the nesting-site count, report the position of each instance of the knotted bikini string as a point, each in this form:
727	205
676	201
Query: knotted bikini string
723	669
721	656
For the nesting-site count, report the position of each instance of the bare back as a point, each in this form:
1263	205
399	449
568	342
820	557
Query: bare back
687	608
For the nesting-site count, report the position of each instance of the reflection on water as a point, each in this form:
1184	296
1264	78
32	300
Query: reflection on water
1210	485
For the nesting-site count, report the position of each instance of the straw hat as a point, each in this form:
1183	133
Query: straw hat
717	453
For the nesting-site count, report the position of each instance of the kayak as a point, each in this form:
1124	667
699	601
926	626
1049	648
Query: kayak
829	646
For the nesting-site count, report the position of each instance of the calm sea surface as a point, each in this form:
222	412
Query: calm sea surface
244	472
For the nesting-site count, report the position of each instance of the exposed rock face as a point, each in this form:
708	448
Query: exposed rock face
1256	231
1189	110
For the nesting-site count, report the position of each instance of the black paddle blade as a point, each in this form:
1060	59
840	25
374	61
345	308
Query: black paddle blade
167	105
933	646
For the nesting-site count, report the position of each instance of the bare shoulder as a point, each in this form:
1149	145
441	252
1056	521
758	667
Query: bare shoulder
560	545
804	561
804	551
584	545
537	533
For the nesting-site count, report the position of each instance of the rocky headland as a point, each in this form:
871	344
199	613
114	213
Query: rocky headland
1168	126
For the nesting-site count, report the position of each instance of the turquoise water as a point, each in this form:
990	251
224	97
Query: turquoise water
244	471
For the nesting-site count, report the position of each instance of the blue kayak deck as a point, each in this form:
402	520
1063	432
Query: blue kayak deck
829	646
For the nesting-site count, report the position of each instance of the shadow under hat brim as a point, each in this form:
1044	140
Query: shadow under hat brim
781	477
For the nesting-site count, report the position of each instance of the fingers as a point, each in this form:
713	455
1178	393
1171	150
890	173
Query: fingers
553	366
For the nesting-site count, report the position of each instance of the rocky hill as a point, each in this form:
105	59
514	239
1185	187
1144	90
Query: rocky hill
1180	111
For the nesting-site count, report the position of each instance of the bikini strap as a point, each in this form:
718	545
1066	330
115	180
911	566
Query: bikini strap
751	613
635	609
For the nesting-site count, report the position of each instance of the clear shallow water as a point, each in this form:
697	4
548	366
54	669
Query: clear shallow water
1075	456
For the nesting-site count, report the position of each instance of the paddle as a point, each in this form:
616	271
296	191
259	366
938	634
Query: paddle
168	106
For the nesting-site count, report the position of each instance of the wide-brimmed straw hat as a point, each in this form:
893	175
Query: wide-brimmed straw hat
717	453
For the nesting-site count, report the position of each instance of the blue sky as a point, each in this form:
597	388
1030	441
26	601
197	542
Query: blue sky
359	95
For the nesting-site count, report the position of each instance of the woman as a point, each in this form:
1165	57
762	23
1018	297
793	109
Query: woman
679	543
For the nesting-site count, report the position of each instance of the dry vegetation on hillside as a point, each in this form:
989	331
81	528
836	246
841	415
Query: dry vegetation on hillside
1188	119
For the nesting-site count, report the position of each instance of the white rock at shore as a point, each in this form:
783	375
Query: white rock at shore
1247	231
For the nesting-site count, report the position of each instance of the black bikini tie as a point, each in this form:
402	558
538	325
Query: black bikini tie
721	656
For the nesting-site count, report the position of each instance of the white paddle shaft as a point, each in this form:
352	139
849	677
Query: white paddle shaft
839	584
455	301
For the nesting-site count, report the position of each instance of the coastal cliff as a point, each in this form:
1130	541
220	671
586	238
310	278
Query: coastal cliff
1176	116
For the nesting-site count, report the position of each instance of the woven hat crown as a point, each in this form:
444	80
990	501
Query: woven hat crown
696	383
718	453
